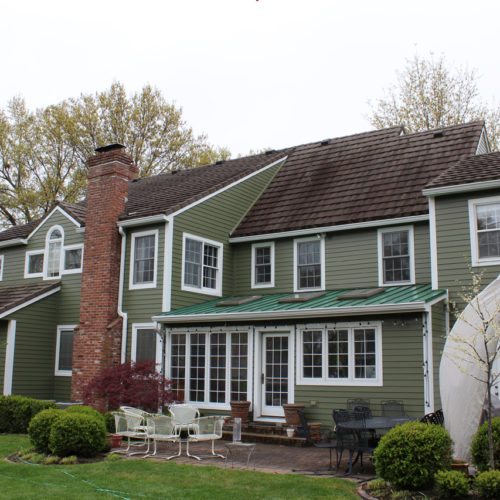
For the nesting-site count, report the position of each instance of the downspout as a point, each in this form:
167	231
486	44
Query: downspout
122	314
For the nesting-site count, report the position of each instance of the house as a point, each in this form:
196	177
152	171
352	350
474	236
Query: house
311	274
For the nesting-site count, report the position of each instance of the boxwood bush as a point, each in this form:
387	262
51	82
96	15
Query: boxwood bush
78	434
40	426
16	412
451	484
409	455
488	484
87	410
480	449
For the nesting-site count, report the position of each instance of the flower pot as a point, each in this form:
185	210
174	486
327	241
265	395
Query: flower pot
113	440
291	413
239	409
290	432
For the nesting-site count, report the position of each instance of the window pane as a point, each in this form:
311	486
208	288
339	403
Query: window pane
217	392
146	345
364	358
239	366
262	265
144	259
178	363
210	266
312	346
65	350
54	259
197	372
35	264
396	258
309	264
73	259
192	266
338	359
488	225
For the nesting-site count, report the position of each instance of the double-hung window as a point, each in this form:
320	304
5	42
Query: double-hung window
484	218
143	262
2	259
396	260
347	354
309	258
202	265
263	265
55	240
64	350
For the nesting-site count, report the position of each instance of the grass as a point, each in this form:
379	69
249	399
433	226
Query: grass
144	480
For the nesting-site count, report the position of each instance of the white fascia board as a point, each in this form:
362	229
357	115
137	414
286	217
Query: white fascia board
229	186
143	221
428	305
331	229
54	210
14	242
462	188
297	313
29	302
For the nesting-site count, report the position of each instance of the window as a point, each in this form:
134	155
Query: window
2	258
262	265
396	262
33	266
143	261
146	344
309	259
210	367
484	218
73	259
202	265
54	243
64	350
347	354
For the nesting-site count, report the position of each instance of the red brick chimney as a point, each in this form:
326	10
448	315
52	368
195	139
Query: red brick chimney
97	339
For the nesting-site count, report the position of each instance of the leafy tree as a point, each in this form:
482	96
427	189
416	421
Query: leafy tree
428	94
43	153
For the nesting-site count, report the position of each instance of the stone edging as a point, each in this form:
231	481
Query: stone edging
363	494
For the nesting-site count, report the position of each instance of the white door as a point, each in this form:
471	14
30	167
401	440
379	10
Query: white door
275	376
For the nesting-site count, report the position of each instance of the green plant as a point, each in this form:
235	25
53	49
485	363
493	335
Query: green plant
86	410
488	484
113	457
480	448
109	419
51	460
451	484
37	458
16	412
71	460
39	428
77	434
409	455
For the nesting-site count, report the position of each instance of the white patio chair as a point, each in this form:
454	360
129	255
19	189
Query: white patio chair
183	416
205	429
162	428
130	426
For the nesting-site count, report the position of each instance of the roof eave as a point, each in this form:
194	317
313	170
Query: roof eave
13	242
461	188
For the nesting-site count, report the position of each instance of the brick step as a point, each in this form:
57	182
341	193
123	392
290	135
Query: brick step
258	437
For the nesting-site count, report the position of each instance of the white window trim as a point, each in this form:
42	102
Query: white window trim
62	373
133	352
411	253
254	247
351	382
152	284
46	256
2	262
27	262
217	291
474	243
296	241
187	388
64	250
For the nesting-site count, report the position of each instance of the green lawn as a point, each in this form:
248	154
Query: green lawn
142	479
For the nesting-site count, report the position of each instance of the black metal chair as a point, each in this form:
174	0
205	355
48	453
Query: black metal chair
357	402
393	408
436	418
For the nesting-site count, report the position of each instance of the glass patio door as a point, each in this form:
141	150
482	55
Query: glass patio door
275	372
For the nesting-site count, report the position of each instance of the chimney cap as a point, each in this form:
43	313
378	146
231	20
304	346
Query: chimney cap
109	147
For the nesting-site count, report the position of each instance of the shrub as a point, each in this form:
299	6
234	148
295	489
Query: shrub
488	484
16	412
69	460
480	449
409	455
77	434
451	484
39	428
86	410
51	460
130	384
109	420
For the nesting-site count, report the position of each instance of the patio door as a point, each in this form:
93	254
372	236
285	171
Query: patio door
275	373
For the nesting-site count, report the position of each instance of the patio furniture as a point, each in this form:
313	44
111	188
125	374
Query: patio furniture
436	418
161	428
183	416
357	402
205	429
392	408
130	426
232	446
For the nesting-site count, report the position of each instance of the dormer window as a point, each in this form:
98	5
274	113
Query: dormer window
54	243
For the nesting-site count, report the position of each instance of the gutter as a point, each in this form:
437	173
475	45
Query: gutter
121	313
15	241
461	188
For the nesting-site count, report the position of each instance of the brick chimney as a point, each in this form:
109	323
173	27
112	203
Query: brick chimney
97	339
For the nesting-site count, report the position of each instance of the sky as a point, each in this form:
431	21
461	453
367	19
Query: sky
249	74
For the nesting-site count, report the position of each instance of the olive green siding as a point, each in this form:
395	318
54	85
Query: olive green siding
454	245
215	219
140	305
439	312
402	350
62	389
351	261
3	346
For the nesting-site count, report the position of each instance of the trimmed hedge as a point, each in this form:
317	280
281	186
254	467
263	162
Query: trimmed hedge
85	410
409	455
480	449
488	484
451	484
40	426
16	412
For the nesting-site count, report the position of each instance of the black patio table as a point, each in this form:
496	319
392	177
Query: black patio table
370	424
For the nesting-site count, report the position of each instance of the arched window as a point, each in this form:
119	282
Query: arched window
54	244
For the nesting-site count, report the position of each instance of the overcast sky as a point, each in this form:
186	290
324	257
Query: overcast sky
250	74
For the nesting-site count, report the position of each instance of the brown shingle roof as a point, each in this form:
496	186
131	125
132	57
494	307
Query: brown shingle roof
364	177
14	296
21	231
478	168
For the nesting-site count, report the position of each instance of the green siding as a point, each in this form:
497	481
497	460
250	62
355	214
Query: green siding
62	389
402	350
439	312
215	219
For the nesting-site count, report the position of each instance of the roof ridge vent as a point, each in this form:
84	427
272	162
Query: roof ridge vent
325	142
174	171
270	151
438	133
219	162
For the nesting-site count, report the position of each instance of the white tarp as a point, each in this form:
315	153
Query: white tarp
462	395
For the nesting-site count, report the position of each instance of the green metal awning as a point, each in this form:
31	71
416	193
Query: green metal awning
409	298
